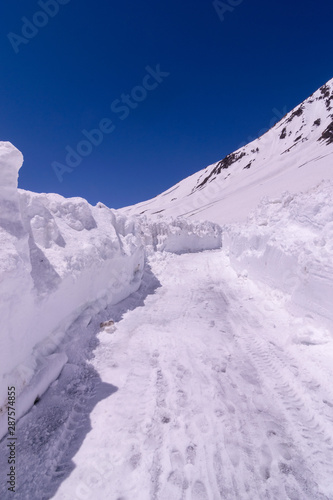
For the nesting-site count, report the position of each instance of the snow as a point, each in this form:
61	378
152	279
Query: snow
287	243
148	361
49	369
180	235
227	191
11	160
203	391
63	255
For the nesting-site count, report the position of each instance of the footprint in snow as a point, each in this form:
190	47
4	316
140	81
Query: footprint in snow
266	461
199	491
182	398
176	458
202	424
191	454
135	460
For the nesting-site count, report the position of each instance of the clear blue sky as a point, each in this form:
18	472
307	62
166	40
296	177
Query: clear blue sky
226	78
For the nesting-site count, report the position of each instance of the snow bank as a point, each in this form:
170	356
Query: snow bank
58	257
180	235
10	162
288	244
67	256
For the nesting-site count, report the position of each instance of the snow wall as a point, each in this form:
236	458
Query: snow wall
287	243
59	256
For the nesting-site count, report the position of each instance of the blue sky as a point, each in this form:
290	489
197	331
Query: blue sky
226	76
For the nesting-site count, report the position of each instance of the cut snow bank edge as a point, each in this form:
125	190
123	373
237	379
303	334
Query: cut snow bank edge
287	243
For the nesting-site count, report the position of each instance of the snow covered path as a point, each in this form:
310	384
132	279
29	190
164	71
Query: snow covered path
210	390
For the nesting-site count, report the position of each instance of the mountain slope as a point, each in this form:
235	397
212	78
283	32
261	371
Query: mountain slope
296	152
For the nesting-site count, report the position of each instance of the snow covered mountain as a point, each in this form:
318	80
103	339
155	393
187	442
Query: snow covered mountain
294	154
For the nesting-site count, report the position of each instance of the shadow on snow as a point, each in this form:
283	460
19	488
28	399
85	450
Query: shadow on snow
52	432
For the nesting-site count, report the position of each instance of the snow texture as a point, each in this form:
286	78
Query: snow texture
206	389
180	235
287	243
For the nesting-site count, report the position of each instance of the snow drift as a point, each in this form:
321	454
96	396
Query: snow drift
59	256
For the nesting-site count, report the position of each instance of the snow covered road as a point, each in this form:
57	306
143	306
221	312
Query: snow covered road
207	389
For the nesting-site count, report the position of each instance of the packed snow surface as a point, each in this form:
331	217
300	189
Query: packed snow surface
206	389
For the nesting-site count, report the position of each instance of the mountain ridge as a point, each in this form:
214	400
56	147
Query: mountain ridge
302	137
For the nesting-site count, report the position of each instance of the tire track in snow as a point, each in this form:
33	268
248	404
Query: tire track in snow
290	400
243	433
302	423
206	408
